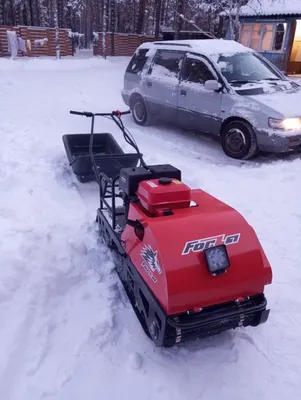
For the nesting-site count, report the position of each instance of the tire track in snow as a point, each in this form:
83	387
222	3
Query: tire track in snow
196	145
65	356
75	317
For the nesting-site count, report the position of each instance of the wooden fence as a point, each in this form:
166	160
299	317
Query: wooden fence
120	44
34	34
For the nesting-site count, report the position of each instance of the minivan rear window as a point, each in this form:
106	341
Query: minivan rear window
167	62
137	62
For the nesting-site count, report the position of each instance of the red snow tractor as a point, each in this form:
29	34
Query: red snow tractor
191	265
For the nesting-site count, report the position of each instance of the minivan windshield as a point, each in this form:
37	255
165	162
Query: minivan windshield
245	67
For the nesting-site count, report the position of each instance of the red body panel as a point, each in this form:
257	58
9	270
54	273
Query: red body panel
182	282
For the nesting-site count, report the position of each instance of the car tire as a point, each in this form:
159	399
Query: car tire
139	111
238	140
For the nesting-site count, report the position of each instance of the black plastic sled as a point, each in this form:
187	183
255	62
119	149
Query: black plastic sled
89	151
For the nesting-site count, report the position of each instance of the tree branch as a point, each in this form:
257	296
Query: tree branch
209	34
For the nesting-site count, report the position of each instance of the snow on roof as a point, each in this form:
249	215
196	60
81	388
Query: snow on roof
271	7
205	46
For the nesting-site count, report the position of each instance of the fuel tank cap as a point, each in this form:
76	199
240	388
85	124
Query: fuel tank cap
165	181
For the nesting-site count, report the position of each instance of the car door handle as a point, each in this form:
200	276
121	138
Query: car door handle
183	92
149	84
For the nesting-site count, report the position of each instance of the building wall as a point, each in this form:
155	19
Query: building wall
294	65
280	58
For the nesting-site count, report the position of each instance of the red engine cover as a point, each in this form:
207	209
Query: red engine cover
165	193
171	260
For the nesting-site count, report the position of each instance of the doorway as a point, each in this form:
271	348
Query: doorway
295	58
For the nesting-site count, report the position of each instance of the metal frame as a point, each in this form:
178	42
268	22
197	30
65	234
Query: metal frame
108	186
105	184
104	181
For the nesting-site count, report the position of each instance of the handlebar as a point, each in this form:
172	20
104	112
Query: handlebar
116	113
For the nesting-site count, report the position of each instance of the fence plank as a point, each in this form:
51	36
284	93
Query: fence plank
124	44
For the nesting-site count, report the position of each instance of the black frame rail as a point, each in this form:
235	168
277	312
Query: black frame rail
109	183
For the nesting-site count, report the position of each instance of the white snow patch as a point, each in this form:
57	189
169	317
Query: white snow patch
136	360
271	7
54	64
67	329
161	73
205	46
286	103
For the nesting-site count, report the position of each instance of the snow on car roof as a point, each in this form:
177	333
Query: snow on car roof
205	46
271	7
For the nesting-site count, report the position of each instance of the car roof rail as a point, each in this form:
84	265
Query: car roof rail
172	44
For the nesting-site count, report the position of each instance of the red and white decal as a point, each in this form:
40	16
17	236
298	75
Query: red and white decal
196	246
151	184
150	262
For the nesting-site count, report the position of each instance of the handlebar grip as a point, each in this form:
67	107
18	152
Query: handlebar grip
76	112
84	113
121	112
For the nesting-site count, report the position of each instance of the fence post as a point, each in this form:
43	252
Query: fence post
113	27
104	29
57	42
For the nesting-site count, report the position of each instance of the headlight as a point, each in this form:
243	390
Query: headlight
292	124
289	124
217	259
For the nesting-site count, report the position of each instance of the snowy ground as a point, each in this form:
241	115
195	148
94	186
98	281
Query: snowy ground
67	330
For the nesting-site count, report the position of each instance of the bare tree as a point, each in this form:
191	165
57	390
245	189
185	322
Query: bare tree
128	16
190	22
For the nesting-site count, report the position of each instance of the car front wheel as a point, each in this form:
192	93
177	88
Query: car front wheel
238	140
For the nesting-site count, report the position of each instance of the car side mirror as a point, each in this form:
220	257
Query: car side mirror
212	85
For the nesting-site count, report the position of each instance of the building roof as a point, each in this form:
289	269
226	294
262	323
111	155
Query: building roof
271	7
204	46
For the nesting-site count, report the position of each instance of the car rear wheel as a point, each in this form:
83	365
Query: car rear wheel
139	111
238	140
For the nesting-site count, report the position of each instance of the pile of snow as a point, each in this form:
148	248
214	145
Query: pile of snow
67	329
271	7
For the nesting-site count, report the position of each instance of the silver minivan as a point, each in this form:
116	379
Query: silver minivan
219	87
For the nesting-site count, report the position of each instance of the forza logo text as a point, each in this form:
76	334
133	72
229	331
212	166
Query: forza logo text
196	246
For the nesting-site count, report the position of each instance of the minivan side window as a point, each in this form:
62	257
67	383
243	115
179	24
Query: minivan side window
167	63
137	62
196	71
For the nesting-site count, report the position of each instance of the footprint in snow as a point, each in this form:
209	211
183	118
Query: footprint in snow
103	333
